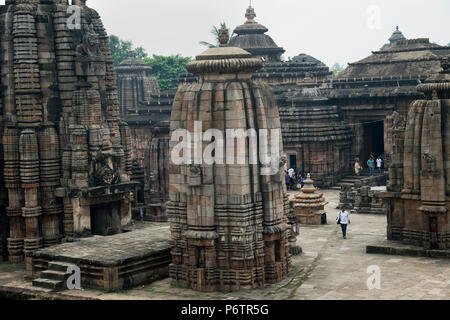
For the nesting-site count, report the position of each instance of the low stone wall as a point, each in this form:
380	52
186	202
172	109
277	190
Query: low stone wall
363	197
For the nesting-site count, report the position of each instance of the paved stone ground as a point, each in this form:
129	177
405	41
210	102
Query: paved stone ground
330	268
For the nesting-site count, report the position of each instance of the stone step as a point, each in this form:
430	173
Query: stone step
54	275
38	289
54	285
59	266
349	181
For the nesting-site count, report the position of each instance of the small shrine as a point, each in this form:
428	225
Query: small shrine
309	205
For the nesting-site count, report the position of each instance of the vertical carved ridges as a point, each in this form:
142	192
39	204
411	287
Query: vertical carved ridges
50	158
26	66
68	217
87	106
29	159
156	182
125	135
229	223
396	125
80	157
50	175
11	140
30	181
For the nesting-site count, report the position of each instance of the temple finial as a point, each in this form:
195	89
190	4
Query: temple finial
224	37
250	14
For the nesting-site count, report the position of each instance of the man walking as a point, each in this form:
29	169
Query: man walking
344	221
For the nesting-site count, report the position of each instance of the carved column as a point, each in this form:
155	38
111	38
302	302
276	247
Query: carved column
15	194
50	176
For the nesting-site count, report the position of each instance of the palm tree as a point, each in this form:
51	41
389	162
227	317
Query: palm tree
215	33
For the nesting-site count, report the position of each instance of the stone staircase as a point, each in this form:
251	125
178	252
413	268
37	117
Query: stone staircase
350	179
54	279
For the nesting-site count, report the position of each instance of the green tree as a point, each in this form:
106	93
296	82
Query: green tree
167	68
336	69
120	49
215	34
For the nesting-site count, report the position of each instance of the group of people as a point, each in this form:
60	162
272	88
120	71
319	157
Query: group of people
294	180
371	164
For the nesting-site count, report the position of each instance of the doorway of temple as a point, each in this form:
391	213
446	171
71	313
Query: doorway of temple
373	139
292	162
105	219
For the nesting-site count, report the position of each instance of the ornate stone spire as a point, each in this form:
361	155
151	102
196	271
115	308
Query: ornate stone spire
396	36
250	15
220	212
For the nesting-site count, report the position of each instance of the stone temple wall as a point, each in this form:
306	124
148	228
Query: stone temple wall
65	151
418	196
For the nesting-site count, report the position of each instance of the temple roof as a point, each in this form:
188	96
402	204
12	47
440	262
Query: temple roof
252	38
303	57
405	58
396	36
132	64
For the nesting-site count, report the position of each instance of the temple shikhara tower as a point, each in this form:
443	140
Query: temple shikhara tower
418	195
230	224
65	151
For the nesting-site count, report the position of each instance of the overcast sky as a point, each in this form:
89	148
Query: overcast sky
330	30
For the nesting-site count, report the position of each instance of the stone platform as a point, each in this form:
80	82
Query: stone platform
400	249
111	263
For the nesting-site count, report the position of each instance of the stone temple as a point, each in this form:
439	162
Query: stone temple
418	195
86	149
66	156
229	222
147	112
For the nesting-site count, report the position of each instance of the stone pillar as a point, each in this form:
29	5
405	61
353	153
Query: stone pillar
29	176
15	194
50	180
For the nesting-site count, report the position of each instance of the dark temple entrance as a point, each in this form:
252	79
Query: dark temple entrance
105	219
292	162
373	139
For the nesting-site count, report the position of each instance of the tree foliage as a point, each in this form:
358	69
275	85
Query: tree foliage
164	68
167	68
337	68
120	49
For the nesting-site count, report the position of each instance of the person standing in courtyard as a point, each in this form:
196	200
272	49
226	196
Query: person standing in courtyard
344	220
357	167
371	164
379	164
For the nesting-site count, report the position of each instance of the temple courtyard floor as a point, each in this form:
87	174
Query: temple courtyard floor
329	268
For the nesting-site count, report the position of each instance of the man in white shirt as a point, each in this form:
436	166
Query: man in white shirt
344	221
379	164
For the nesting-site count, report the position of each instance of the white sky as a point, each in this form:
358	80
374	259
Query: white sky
330	30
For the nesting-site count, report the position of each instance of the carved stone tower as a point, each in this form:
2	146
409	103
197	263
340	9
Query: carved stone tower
65	166
419	193
229	222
